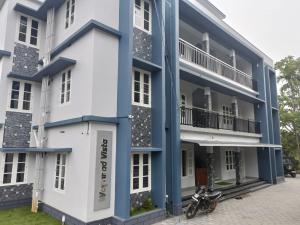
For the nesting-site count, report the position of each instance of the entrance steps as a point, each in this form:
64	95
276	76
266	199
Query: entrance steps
234	191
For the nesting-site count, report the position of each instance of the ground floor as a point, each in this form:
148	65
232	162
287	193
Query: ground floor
278	204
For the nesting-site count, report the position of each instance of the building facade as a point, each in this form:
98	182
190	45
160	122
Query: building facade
111	108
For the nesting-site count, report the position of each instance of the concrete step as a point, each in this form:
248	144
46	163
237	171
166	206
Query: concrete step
236	191
260	187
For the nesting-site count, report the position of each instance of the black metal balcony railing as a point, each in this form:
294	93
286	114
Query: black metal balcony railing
206	119
201	58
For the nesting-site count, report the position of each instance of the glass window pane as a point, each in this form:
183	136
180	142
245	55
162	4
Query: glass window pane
15	95
8	168
16	85
27	96
56	182
136	159
62	184
13	104
145	182
27	87
137	76
145	159
21	157
35	24
20	177
9	157
33	41
21	167
136	97
6	178
136	171
145	170
136	183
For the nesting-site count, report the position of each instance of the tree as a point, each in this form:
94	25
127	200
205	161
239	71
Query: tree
289	104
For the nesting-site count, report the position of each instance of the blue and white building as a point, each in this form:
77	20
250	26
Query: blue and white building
107	104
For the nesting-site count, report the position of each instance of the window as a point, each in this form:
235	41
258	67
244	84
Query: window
20	97
70	13
13	170
227	115
140	172
28	26
142	15
229	157
187	163
65	95
141	88
60	172
183	109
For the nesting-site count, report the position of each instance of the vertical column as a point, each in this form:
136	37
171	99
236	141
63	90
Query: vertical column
235	112
123	152
205	42
173	143
210	168
237	165
233	59
207	93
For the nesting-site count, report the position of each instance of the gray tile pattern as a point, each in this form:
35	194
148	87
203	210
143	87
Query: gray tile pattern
25	60
137	199
142	44
141	127
15	195
17	129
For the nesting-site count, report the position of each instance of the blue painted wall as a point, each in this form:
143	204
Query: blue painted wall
123	154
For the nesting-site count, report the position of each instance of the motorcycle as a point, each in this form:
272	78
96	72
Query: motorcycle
204	201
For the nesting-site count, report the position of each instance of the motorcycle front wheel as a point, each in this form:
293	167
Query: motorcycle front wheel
212	206
191	210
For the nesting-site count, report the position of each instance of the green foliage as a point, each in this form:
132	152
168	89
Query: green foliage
23	216
146	207
289	104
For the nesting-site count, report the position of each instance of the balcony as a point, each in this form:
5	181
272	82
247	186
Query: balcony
201	58
208	119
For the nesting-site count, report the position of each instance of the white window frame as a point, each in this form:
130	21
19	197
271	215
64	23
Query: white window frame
142	14
60	177
142	75
227	115
14	169
21	97
28	31
188	162
229	160
68	21
141	175
65	91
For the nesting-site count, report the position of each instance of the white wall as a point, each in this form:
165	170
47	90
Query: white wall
91	214
251	163
73	200
78	198
81	82
104	11
94	79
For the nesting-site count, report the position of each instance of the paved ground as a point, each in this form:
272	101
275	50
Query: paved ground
276	205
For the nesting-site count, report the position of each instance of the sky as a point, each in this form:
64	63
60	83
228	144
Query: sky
271	25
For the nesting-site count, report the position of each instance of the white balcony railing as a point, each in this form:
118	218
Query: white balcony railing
201	58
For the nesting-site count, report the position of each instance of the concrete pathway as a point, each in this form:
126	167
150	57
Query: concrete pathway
276	205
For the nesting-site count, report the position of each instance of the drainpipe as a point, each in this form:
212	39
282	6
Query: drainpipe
38	184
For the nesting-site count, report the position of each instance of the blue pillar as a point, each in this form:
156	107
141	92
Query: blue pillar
158	106
123	156
173	185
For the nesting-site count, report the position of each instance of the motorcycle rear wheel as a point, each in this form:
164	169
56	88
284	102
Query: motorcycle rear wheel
212	206
191	211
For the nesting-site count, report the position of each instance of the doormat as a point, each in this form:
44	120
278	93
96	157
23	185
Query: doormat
223	183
